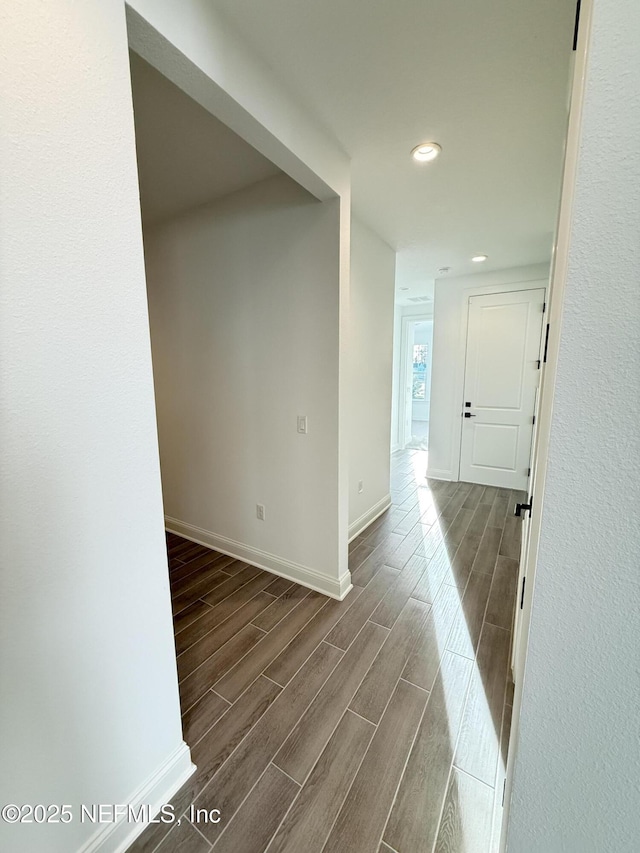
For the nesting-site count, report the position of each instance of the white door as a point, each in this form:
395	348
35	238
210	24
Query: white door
525	513
501	379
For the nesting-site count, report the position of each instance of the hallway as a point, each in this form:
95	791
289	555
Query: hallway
379	723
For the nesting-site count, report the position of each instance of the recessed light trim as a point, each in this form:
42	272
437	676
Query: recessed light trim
426	151
478	259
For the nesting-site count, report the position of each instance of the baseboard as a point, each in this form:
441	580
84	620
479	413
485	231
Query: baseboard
157	790
395	448
440	474
333	587
368	517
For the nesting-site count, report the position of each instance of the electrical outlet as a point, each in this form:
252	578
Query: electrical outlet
260	511
302	424
360	487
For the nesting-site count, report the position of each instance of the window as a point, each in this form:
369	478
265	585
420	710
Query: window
420	359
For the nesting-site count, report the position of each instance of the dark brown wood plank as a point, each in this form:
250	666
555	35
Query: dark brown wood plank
361	820
467	623
478	747
462	560
212	750
184	838
205	676
203	561
237	776
466	816
399	593
499	509
487	555
198	653
279	586
474	497
199	718
243	673
424	661
189	615
455	533
259	816
343	634
413	542
359	554
307	740
380	681
215	616
208	581
210	753
455	504
232	584
281	607
438	571
311	817
376	560
413	822
234	566
291	658
199	575
503	593
511	537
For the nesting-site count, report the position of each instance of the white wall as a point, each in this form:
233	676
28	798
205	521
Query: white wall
449	346
192	45
89	705
577	766
244	306
370	358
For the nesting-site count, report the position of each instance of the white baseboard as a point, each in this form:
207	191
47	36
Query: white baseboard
163	784
395	448
368	517
333	587
440	474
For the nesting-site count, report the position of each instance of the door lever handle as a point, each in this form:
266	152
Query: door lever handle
469	415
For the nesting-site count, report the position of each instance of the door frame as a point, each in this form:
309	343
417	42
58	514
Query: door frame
406	369
555	300
483	290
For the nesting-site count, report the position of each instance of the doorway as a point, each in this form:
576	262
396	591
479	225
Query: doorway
502	371
418	345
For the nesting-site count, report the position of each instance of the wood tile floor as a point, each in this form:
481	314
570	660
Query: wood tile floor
379	723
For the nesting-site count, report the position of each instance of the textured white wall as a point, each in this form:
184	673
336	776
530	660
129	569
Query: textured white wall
89	690
370	359
577	767
449	347
244	299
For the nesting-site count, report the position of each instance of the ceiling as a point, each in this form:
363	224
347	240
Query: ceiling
487	80
186	157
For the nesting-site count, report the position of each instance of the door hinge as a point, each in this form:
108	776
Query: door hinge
546	345
504	788
528	472
522	593
544	307
533	419
539	362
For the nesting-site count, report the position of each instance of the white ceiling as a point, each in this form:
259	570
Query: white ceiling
186	157
487	79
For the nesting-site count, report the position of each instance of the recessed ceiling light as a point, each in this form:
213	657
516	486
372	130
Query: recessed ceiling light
426	151
404	288
478	259
444	270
